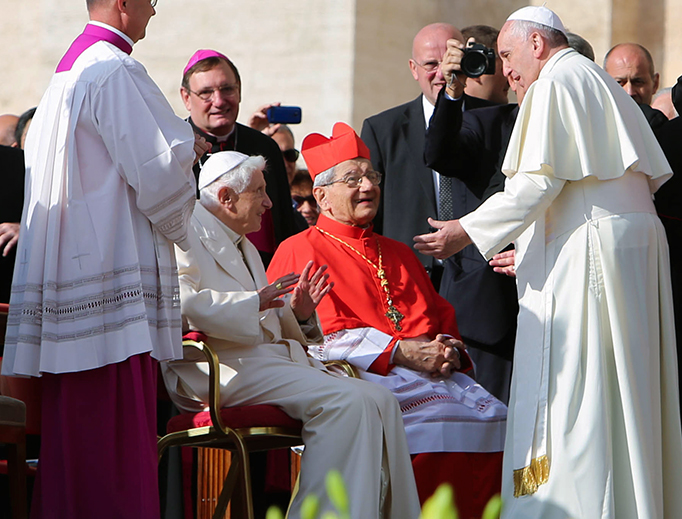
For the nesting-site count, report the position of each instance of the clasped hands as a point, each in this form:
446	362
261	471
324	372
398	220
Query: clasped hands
439	357
307	291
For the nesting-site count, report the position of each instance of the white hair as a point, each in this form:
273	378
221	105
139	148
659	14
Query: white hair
524	28
324	178
237	179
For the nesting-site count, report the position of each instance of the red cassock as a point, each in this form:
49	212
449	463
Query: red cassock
359	300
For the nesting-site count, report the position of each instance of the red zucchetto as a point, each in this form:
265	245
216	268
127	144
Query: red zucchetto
321	153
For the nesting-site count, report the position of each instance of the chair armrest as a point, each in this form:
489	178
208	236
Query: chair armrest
213	379
344	366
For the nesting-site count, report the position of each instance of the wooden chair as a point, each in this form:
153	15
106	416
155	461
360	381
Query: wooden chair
13	434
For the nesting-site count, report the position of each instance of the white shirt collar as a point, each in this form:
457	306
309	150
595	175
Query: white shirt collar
112	29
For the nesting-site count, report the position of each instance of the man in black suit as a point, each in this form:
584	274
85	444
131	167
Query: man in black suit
411	192
396	142
211	91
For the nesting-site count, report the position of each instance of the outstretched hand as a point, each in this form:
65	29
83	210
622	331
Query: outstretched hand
270	294
503	263
310	291
448	239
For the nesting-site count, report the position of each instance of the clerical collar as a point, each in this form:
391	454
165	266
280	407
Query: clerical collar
214	139
234	237
114	30
341	229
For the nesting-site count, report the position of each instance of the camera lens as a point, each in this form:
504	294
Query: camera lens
474	64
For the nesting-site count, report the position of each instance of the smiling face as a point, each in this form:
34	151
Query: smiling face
350	206
521	62
218	115
246	209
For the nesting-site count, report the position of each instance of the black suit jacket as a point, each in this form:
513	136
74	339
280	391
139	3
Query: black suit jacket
470	146
252	142
11	205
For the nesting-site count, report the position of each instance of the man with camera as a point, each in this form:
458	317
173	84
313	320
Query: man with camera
211	91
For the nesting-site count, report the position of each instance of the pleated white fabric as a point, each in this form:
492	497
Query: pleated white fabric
108	189
594	389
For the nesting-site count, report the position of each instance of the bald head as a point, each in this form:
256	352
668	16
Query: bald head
8	124
428	48
632	66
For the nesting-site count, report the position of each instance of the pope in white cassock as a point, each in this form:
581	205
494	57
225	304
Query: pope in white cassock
594	424
94	300
349	425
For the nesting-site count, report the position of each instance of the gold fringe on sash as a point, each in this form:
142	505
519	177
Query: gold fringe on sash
528	479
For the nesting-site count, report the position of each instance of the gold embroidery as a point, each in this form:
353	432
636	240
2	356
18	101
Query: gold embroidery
393	313
528	479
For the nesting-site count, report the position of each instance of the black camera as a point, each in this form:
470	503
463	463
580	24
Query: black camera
478	60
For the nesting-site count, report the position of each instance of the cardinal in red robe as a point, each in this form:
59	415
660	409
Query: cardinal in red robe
384	317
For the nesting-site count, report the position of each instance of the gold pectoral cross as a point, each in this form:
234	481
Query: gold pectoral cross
395	316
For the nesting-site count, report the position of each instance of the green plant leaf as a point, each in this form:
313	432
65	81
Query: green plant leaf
274	513
441	505
310	507
337	492
494	508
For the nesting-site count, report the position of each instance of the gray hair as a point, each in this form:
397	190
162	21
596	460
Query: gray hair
325	178
524	28
237	179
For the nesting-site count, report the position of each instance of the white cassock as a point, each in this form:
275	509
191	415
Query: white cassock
594	416
109	187
349	424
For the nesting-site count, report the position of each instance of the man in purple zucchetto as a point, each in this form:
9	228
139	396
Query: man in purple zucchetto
94	299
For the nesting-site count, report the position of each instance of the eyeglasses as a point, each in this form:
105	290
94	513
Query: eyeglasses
153	2
354	181
430	66
224	91
300	200
290	155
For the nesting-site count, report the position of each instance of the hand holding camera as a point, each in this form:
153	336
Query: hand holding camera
460	62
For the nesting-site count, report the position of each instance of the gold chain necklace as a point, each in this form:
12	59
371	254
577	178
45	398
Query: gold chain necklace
393	313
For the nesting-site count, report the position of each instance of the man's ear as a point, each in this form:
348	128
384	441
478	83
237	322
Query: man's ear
538	44
227	197
657	77
413	69
184	94
320	194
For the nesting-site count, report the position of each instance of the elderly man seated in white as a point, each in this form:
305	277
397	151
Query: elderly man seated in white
348	424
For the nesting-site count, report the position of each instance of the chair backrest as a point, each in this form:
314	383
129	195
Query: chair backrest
25	389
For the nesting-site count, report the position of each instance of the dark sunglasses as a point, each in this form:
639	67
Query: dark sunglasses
300	200
290	155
